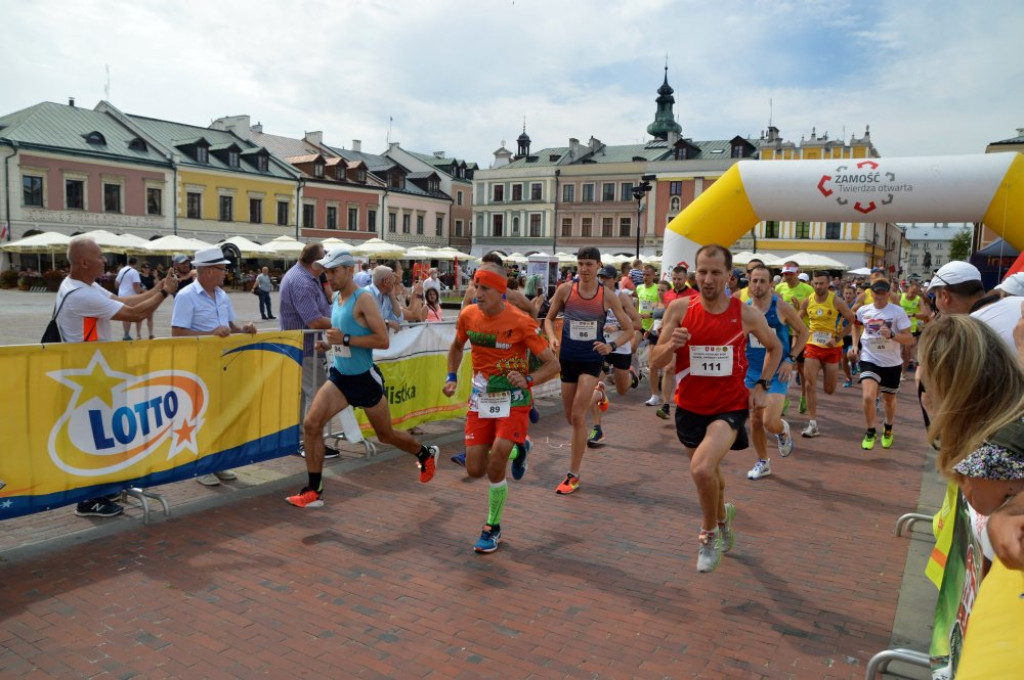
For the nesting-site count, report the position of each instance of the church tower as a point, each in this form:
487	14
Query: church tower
664	118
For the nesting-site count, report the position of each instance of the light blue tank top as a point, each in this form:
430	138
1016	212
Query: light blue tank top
343	318
755	350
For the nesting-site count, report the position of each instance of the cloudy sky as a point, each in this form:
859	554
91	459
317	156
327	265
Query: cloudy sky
929	77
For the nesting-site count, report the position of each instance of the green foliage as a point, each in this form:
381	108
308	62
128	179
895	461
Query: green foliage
960	246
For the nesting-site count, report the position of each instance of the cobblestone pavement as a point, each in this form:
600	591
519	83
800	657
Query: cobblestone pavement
383	581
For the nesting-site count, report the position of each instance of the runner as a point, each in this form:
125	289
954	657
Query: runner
583	348
357	329
647	299
910	301
499	406
824	349
794	291
679	290
623	373
781	318
850	367
707	335
880	329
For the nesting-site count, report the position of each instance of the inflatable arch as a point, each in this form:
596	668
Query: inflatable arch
987	188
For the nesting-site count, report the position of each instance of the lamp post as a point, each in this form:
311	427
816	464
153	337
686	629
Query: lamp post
639	191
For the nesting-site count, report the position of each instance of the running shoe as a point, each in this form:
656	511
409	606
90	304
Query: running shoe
329	452
603	401
726	529
887	437
785	405
634	377
762	468
856	369
848	383
428	463
519	463
709	554
489	539
534	414
784	440
811	430
460	458
655	400
307	498
803	404
799	379
568	485
98	507
596	435
868	442
664	412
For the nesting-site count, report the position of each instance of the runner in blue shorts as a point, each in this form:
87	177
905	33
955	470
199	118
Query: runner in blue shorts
781	316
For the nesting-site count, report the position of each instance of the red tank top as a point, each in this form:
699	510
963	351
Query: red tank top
710	369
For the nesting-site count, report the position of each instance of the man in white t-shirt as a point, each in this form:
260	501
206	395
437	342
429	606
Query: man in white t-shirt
432	282
880	329
86	310
129	283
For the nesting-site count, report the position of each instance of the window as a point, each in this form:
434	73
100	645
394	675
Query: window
833	230
515	226
353	219
154	201
458	227
535	226
535	191
74	194
588	193
675	188
803	230
497	225
499	193
371	220
202	154
112	198
458	197
232	158
256	211
308	215
226	208
194	205
607	226
360	175
392	222
626	194
566	227
138	144
586	225
32	190
568	193
608	192
332	217
737	151
262	163
625	226
771	229
282	213
517	192
419	224
406	223
95	138
318	170
439	226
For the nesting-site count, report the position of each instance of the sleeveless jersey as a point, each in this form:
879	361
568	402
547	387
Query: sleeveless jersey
647	298
912	308
712	366
343	318
755	350
582	325
822	320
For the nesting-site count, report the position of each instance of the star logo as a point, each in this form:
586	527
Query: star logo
95	381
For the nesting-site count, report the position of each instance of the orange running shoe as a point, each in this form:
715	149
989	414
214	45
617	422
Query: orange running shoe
307	498
428	464
571	483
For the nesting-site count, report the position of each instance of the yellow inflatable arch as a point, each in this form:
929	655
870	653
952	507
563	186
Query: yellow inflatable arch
987	188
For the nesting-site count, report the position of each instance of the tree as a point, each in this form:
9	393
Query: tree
960	246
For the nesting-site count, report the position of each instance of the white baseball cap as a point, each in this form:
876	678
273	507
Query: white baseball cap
804	277
955	272
339	257
1013	285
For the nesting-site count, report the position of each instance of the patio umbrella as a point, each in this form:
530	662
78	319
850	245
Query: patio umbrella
110	242
863	271
133	243
285	247
331	243
248	248
450	253
172	244
745	256
37	244
515	258
377	248
566	258
420	253
815	261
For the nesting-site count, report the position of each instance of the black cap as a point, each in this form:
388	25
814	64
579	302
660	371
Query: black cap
608	272
880	286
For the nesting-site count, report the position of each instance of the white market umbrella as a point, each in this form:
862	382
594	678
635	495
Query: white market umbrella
420	253
133	243
566	258
863	271
450	253
38	244
248	248
814	261
515	258
377	248
331	243
172	244
286	247
745	256
110	242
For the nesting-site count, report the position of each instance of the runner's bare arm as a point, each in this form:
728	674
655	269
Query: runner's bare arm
547	370
795	321
455	352
518	300
673	335
625	322
854	350
557	303
843	309
755	322
467	299
368	314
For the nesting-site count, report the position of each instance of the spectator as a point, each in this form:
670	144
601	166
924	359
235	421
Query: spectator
128	284
148	279
956	288
433	305
181	265
363	278
205	309
86	310
1012	285
262	288
432	281
636	274
626	283
384	290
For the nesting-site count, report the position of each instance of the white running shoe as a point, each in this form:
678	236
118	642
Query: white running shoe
655	400
811	430
762	468
785	441
709	552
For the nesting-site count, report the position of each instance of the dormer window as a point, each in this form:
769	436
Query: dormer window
95	138
233	158
433	186
138	144
318	170
202	154
340	173
680	153
361	176
262	162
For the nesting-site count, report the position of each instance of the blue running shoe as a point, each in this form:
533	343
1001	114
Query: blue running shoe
489	539
519	464
460	458
534	414
596	435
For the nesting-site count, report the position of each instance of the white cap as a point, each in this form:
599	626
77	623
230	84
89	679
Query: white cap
339	257
955	272
804	277
1013	285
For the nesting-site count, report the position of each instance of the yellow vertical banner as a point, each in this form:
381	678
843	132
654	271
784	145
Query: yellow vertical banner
85	419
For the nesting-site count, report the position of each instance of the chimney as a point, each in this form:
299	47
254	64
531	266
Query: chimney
673	137
257	128
316	137
439	154
594	143
71	102
357	145
237	124
574	147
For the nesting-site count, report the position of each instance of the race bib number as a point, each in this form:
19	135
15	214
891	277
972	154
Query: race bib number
753	342
341	351
821	338
877	344
646	306
583	330
495	405
713	361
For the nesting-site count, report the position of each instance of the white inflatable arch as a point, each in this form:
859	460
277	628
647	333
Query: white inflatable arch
988	188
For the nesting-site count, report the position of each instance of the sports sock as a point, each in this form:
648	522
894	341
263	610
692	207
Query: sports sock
423	454
887	427
514	453
496	495
316	481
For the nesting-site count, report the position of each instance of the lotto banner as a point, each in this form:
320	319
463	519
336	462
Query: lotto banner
87	419
415	368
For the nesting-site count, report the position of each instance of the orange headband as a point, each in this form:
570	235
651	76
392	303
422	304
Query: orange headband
491	280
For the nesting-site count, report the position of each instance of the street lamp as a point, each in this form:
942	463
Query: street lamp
639	191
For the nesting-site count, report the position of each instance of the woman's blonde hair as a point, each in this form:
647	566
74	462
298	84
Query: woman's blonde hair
975	384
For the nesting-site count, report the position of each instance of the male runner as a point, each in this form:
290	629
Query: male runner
357	329
794	291
825	348
781	318
499	407
911	302
583	348
679	289
623	373
647	299
707	335
849	366
880	329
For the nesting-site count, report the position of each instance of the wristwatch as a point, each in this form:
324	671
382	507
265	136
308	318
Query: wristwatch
345	339
613	346
763	383
529	380
792	358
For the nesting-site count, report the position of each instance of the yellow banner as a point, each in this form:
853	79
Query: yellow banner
86	419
